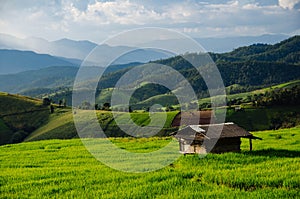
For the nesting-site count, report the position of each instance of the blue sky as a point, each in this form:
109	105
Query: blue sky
97	20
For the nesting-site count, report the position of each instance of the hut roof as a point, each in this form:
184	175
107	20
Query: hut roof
212	131
194	118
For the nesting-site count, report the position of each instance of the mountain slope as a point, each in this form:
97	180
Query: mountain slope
286	51
228	44
45	80
26	118
79	50
64	47
13	61
51	77
242	66
20	116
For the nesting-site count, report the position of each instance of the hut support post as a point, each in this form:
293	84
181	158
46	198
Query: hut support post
250	142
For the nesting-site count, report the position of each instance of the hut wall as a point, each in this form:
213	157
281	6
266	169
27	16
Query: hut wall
192	148
189	149
223	145
227	145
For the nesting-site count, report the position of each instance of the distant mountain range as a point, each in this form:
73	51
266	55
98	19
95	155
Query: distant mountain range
227	44
246	68
80	49
62	48
67	52
18	55
49	78
14	61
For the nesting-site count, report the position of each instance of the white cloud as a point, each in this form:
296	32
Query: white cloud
289	4
118	12
96	20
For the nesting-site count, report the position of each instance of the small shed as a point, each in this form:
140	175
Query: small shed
191	138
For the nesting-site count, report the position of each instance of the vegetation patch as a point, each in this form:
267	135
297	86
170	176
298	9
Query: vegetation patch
64	168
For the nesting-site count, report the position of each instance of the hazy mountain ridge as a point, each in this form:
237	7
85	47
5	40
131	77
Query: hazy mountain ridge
44	78
80	49
13	61
227	44
63	48
76	51
242	66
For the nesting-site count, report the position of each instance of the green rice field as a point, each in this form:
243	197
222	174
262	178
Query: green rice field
65	169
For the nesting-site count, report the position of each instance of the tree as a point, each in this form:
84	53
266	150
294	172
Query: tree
46	101
60	103
106	106
18	136
169	108
51	109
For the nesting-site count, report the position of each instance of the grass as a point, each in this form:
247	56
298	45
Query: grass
20	113
143	119
29	115
255	119
251	93
65	169
280	140
11	104
62	121
164	100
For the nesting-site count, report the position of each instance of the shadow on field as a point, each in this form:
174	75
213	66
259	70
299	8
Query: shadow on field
274	153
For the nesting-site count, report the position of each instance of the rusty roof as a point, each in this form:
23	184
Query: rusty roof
193	118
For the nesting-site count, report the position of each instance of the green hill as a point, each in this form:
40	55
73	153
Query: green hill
250	67
65	169
286	51
164	100
243	70
24	118
20	116
254	119
61	124
242	96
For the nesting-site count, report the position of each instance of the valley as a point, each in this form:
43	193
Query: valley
188	99
42	156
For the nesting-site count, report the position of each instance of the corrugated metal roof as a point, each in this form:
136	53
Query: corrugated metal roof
223	130
197	128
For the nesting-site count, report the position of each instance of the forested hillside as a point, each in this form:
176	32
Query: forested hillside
245	69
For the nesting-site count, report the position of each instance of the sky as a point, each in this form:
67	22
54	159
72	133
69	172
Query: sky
97	20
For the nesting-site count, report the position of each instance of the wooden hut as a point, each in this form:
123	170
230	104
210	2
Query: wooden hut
227	137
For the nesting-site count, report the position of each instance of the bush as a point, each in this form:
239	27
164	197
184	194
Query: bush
18	136
46	101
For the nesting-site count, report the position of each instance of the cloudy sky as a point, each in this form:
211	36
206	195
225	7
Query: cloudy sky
96	20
